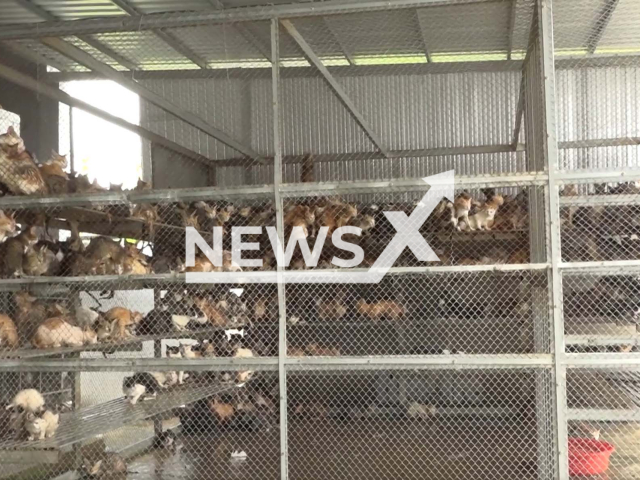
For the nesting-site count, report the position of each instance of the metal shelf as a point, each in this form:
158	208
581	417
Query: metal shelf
87	423
108	348
154	280
262	191
602	340
597	200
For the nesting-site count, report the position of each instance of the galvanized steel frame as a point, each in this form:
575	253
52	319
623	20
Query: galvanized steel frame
552	179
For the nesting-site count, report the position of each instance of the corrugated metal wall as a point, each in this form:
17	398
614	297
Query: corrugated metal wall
408	112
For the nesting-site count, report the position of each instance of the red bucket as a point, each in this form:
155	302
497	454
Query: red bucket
588	456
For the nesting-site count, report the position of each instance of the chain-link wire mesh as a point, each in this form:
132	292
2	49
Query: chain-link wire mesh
471	313
595	45
602	411
175	122
601	312
411	423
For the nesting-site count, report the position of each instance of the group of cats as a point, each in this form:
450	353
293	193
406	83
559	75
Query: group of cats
230	343
30	418
52	325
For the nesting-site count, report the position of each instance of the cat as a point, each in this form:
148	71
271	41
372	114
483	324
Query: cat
84	317
234	309
484	216
103	256
333	308
41	426
140	386
43	258
14	250
7	225
460	209
8	333
166	379
313	349
203	264
166	440
241	352
123	321
381	309
300	216
364	222
148	214
135	262
107	464
31	312
214	313
337	215
115	187
175	352
222	411
172	313
142	186
28	400
56	332
54	175
18	170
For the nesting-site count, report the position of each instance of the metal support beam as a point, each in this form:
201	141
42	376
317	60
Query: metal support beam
601	25
190	18
523	80
166	37
245	32
282	306
543	14
175	43
55	93
512	26
98	45
181	113
335	85
336	37
425	45
32	56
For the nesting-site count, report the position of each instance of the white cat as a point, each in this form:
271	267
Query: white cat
41	427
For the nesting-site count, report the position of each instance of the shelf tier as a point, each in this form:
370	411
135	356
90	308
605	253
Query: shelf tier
107	348
88	423
263	191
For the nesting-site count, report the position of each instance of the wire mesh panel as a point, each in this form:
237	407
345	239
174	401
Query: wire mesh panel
471	313
401	423
214	424
600	312
405	102
595	46
599	222
603	421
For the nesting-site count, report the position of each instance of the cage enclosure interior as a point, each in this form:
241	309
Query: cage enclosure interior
320	239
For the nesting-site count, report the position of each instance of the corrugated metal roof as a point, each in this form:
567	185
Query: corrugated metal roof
473	31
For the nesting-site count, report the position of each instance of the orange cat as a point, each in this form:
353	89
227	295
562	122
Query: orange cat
7	226
57	332
123	322
382	309
18	170
54	174
8	332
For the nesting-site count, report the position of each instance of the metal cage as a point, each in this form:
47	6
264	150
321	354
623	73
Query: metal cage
507	347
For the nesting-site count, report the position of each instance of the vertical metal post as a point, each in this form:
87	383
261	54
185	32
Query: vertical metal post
157	353
551	154
76	396
72	155
277	181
